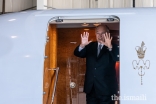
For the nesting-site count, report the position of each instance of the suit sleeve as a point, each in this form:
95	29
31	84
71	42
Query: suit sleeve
81	54
115	52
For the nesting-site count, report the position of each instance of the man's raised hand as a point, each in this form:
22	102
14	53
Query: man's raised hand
84	39
107	40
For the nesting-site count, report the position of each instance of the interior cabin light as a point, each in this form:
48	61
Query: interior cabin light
86	29
97	24
85	24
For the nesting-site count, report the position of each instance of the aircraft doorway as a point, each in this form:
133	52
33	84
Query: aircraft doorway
69	88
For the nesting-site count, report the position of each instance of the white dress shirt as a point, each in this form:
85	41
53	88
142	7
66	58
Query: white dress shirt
80	48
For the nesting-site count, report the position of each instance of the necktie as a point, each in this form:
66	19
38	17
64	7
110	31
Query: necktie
99	49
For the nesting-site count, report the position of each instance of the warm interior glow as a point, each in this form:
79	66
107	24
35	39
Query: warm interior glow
86	29
97	24
117	70
49	64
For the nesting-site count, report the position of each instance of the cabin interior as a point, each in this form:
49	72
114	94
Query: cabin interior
62	39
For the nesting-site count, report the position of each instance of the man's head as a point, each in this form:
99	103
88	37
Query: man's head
99	31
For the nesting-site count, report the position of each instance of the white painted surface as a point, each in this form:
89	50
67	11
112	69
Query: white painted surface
21	69
134	30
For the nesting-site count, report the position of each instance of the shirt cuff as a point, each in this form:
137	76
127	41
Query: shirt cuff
80	48
110	49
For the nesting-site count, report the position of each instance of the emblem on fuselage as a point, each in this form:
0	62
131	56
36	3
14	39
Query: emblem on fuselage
141	65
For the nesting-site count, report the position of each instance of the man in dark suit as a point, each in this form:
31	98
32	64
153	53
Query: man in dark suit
100	78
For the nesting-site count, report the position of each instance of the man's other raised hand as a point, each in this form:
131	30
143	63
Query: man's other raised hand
84	39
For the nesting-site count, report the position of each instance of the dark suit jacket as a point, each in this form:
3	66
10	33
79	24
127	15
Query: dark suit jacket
100	70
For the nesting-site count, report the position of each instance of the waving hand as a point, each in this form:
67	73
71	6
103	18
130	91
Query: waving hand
84	39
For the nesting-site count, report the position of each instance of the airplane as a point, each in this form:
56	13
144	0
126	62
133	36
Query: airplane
29	53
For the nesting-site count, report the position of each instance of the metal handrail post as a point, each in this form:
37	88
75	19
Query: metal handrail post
54	90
